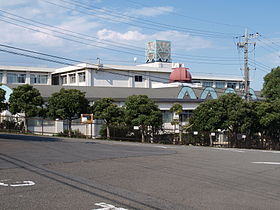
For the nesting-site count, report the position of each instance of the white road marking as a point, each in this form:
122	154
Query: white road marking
106	206
268	163
22	184
16	184
229	149
162	147
3	184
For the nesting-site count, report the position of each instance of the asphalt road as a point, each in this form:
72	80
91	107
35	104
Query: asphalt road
49	173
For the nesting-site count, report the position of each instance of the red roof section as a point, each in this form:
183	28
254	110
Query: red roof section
180	75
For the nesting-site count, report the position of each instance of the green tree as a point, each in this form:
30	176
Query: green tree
269	120
106	110
177	109
67	104
271	86
3	105
26	99
249	123
143	112
207	117
224	113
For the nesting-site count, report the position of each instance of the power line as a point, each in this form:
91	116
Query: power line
267	47
272	42
153	25
103	47
117	44
259	67
65	38
48	55
189	17
141	19
158	79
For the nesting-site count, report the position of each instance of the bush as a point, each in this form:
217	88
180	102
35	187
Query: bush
103	131
121	132
74	134
11	125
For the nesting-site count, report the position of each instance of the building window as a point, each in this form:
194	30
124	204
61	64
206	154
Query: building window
64	79
38	79
231	85
72	78
220	84
21	78
16	78
186	115
55	79
241	86
207	84
138	78
82	77
166	116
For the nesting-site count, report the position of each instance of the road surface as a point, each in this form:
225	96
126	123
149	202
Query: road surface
50	173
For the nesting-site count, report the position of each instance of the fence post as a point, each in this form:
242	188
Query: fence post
58	126
42	126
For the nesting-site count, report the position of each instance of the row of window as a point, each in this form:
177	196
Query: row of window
38	79
72	78
21	78
167	116
221	84
82	78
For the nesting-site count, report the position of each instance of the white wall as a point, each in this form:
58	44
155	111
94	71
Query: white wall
186	106
102	78
158	78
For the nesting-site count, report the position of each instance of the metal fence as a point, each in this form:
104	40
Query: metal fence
42	126
198	138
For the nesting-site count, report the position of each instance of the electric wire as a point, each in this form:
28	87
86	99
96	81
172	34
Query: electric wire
52	56
68	39
93	38
152	26
130	47
189	17
107	11
158	79
104	47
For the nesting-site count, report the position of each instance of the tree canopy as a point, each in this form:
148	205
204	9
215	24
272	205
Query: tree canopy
26	99
229	112
3	105
106	110
269	121
176	108
67	104
271	86
143	112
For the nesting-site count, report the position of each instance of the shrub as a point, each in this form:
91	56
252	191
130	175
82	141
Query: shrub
74	134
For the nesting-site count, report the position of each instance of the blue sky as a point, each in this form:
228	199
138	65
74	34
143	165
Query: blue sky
203	33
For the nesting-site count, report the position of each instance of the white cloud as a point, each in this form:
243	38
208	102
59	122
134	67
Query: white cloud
151	11
16	35
79	24
180	41
106	34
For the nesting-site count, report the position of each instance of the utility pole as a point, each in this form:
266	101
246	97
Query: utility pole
245	45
